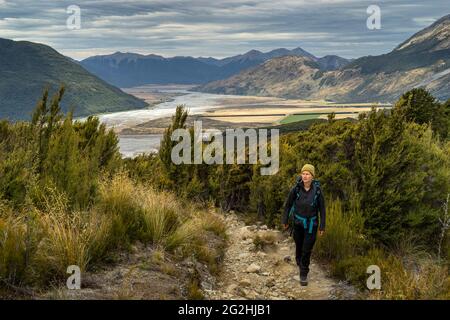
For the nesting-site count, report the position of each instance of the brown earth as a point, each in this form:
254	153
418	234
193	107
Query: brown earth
270	272
258	263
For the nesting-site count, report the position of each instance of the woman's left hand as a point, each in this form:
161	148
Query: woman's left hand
321	232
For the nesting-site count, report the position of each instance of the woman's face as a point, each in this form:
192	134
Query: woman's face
307	176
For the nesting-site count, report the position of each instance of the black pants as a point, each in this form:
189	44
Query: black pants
304	243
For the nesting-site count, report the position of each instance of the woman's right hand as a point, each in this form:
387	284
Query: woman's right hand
285	226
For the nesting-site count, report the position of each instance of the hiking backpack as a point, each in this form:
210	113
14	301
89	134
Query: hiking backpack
293	214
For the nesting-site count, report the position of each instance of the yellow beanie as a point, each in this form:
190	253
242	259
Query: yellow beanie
309	168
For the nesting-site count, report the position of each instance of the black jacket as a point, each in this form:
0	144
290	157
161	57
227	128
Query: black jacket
303	204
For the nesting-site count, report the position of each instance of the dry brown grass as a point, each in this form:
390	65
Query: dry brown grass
125	212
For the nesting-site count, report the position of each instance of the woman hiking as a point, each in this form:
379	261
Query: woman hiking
304	213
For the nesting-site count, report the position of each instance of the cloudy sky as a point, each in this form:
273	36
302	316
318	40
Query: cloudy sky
217	28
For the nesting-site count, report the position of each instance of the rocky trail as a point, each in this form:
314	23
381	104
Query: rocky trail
259	263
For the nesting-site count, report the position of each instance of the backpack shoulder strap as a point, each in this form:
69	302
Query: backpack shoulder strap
297	187
317	191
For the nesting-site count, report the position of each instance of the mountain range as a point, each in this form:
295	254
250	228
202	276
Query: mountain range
26	68
423	60
131	69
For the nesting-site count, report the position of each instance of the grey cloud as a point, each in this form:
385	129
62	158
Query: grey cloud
217	28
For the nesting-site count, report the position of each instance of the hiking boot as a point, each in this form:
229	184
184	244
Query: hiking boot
303	278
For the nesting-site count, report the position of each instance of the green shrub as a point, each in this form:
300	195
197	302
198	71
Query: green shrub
343	237
354	268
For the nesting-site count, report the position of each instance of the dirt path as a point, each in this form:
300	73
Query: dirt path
248	272
144	273
269	273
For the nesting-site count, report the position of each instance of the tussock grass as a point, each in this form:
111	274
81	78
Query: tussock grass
408	270
37	247
264	240
184	235
12	248
163	215
119	201
215	224
66	242
194	291
429	281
